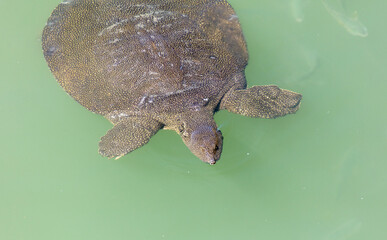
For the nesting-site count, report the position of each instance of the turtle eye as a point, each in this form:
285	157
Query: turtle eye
216	148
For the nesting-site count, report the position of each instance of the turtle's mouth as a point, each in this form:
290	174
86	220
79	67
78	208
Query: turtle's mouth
210	160
213	156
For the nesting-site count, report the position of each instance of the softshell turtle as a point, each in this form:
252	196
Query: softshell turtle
152	64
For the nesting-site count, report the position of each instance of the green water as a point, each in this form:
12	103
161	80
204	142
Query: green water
319	174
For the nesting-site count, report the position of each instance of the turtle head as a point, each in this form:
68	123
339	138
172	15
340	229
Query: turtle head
205	141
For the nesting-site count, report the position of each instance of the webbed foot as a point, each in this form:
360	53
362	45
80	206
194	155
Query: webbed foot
262	101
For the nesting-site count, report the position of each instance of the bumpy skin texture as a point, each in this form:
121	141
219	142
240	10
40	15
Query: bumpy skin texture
152	64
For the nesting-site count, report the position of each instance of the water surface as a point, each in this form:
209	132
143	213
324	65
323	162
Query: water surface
318	174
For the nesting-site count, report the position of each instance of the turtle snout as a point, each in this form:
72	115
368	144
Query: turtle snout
210	160
214	149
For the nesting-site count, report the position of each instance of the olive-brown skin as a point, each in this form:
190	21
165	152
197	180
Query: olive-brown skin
147	65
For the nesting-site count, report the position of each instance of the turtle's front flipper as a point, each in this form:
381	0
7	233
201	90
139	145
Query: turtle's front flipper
261	101
127	135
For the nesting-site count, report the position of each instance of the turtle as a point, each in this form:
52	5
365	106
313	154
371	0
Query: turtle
147	65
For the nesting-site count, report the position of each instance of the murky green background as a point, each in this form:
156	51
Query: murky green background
319	174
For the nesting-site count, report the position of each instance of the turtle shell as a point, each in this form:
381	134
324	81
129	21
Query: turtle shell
109	54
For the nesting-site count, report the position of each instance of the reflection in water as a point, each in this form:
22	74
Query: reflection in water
351	24
306	65
297	8
345	230
346	166
311	62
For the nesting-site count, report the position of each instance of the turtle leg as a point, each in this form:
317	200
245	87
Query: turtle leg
261	101
127	135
